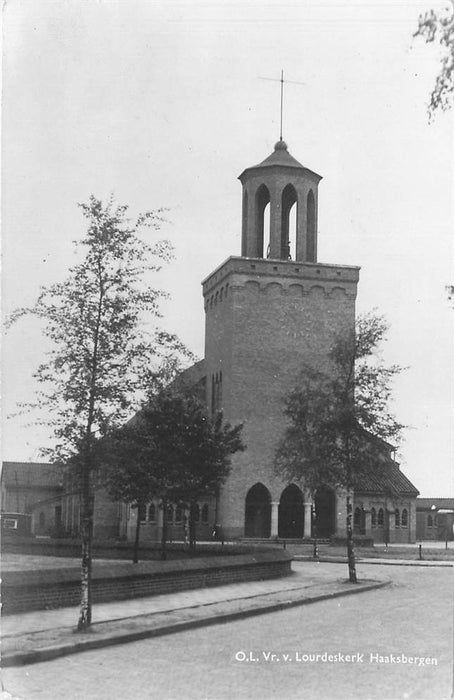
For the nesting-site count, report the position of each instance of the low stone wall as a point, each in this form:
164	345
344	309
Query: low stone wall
56	588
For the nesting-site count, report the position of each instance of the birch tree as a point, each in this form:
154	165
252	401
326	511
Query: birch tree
106	346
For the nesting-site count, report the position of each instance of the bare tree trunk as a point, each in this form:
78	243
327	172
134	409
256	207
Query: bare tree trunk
164	531
314	531
87	499
135	556
87	537
192	527
350	546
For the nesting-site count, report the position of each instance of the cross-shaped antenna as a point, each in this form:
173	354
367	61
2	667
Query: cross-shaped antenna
282	81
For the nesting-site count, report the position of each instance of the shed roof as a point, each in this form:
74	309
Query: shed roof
31	474
390	480
427	503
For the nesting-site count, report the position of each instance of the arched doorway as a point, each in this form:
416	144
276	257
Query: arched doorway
291	512
325	511
258	512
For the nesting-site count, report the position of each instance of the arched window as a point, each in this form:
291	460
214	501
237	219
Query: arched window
205	514
288	223
430	521
262	231
178	514
169	513
152	512
405	518
373	517
42	520
397	517
381	517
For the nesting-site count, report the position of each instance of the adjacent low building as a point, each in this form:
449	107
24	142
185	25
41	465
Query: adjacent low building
435	519
31	497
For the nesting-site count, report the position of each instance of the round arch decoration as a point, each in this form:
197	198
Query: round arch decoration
291	513
257	521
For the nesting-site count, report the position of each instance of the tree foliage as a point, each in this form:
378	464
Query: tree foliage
339	419
438	27
102	358
171	450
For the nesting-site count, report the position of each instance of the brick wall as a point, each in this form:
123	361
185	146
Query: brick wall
48	589
275	317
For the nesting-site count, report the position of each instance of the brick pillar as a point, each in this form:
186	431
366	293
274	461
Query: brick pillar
274	518
308	519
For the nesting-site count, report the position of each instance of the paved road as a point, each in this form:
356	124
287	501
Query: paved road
411	618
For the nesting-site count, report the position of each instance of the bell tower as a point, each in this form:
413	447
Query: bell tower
280	181
268	314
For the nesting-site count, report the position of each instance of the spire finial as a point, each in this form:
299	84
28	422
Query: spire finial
282	81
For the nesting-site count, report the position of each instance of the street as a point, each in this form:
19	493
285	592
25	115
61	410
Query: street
395	642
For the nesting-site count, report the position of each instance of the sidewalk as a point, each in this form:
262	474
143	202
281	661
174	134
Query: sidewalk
375	560
48	634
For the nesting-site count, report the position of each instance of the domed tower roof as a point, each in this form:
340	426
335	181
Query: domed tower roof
280	157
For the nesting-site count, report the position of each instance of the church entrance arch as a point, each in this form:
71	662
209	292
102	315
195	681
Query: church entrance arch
325	511
258	512
291	513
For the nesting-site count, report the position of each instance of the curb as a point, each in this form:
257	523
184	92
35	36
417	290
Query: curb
87	644
379	562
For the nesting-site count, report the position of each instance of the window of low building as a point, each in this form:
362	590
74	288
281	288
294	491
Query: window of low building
152	513
169	513
405	518
397	517
178	514
205	514
430	521
381	517
373	517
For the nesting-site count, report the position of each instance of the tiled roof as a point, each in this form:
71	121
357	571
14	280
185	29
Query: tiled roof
31	474
280	156
423	503
390	479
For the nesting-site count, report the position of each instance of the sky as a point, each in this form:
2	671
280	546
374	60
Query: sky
163	104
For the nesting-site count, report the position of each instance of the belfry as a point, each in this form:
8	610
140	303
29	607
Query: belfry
281	182
268	313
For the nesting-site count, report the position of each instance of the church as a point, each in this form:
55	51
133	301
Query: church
269	312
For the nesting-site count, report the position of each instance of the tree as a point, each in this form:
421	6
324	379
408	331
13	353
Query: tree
171	450
339	418
102	358
439	27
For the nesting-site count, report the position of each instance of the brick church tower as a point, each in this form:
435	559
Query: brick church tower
268	313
